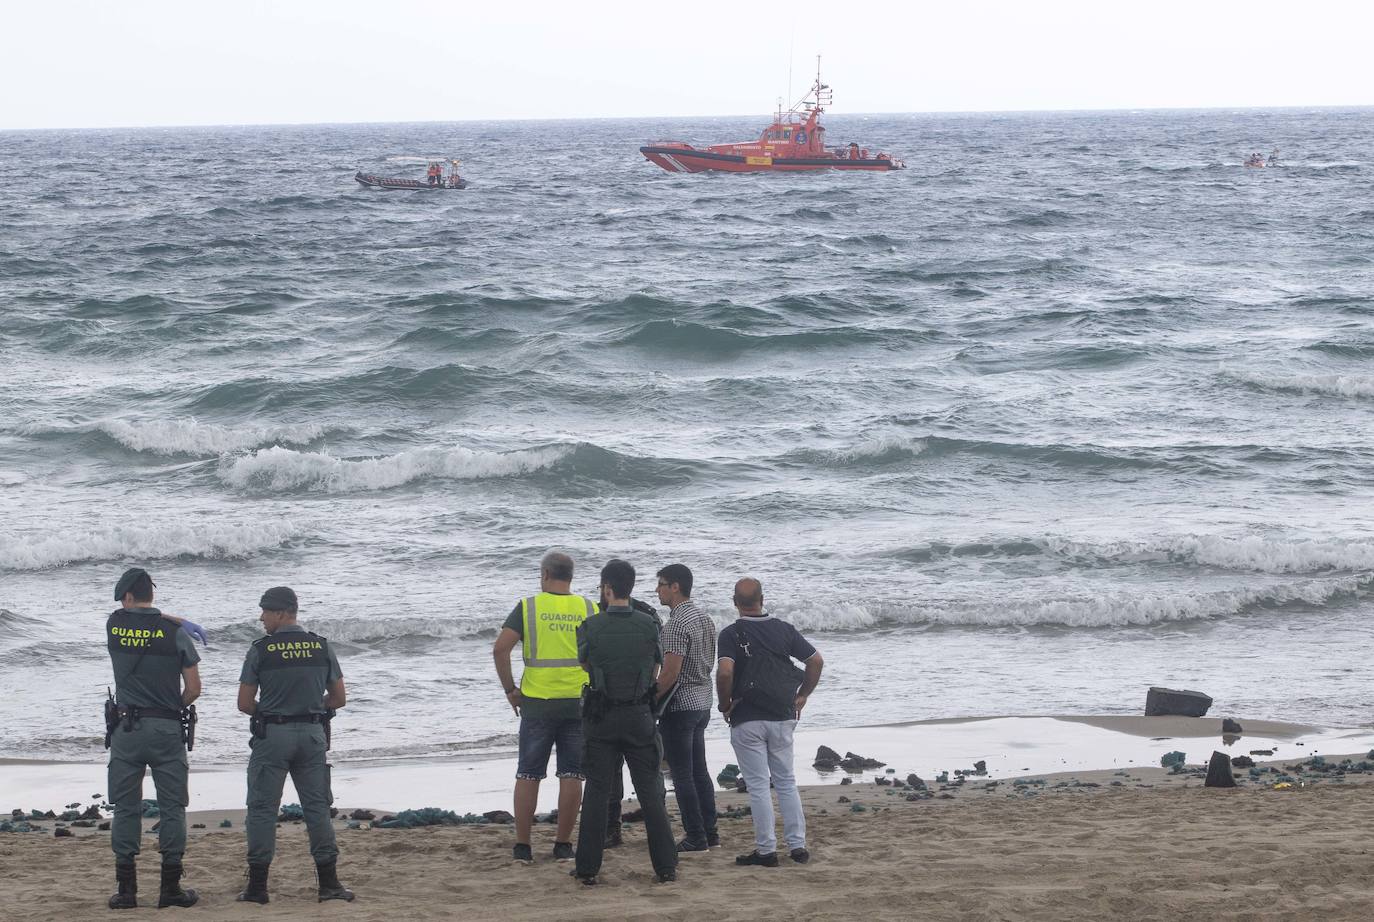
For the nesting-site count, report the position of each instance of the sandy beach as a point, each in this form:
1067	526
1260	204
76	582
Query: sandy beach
1131	844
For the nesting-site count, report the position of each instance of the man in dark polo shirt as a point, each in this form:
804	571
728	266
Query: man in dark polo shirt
291	685
762	719
156	677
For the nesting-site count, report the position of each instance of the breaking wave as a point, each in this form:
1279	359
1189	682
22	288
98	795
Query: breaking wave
156	542
1087	610
189	437
1328	385
1248	554
282	469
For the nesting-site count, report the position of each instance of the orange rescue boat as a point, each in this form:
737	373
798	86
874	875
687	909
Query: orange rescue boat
795	141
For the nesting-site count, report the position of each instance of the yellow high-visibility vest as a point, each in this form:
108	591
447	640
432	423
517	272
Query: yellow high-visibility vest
550	645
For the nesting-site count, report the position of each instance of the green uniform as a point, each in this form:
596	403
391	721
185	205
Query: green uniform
291	669
620	648
148	653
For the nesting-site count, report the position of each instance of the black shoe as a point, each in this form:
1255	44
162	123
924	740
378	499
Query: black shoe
127	877
256	891
171	893
587	880
769	860
614	840
667	877
522	853
563	851
713	840
330	888
687	845
800	855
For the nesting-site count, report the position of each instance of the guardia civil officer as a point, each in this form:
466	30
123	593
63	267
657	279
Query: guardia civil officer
156	679
619	648
291	684
546	700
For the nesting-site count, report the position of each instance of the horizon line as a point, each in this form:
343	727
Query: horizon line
608	118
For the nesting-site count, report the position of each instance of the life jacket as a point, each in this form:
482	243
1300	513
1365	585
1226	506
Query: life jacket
549	645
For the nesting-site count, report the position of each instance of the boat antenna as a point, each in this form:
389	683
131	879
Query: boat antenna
791	44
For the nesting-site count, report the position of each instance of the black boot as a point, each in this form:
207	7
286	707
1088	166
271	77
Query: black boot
127	876
256	891
330	888
172	894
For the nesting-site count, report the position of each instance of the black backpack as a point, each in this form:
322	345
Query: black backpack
770	679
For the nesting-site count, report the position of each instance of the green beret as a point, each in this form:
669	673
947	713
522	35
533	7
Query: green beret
126	582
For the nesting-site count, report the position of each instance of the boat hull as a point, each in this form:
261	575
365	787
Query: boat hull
386	182
691	160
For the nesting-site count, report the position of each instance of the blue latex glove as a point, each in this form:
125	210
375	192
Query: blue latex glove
196	631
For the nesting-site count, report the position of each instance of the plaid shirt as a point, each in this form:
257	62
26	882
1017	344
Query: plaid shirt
691	634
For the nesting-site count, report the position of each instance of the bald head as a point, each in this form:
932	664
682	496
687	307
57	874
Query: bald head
749	596
556	567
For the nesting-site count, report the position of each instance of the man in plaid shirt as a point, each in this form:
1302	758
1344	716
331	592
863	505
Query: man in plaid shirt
689	652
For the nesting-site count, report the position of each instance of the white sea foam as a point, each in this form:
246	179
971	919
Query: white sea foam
154	542
189	437
1329	385
879	447
1115	608
1251	553
281	469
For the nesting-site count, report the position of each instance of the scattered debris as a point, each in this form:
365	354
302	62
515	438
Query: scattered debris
1230	725
1219	772
1161	702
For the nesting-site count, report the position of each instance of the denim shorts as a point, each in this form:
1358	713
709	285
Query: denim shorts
539	736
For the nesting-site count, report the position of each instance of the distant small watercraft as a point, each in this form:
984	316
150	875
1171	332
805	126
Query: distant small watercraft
435	179
794	142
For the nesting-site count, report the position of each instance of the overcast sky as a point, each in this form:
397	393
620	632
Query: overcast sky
96	63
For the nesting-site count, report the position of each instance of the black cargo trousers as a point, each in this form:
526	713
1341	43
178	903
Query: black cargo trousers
628	732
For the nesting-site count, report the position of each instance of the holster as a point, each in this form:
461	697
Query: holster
188	726
594	705
257	727
328	722
111	717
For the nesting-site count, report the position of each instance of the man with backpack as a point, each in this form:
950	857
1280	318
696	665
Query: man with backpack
762	694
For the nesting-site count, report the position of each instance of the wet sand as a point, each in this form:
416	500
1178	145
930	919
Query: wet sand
1137	844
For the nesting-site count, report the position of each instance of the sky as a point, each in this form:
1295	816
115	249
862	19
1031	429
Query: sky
117	63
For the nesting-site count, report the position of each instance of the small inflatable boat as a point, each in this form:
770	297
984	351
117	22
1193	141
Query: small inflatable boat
387	182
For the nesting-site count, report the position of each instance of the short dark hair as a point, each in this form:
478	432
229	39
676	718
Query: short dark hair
558	565
677	573
620	576
141	588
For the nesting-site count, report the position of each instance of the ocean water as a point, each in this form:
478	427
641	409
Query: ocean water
1074	405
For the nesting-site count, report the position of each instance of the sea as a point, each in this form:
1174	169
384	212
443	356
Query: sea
1073	405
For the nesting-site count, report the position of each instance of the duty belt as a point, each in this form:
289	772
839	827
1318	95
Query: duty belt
257	724
129	714
293	718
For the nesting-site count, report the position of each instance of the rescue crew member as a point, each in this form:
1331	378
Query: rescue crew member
620	650
546	700
291	685
156	679
435	172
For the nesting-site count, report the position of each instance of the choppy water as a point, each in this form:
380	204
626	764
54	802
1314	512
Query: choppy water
1074	405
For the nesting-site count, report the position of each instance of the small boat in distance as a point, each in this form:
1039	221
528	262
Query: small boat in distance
794	142
435	179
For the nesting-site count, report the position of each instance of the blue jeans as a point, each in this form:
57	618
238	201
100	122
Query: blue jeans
764	751
539	736
684	746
